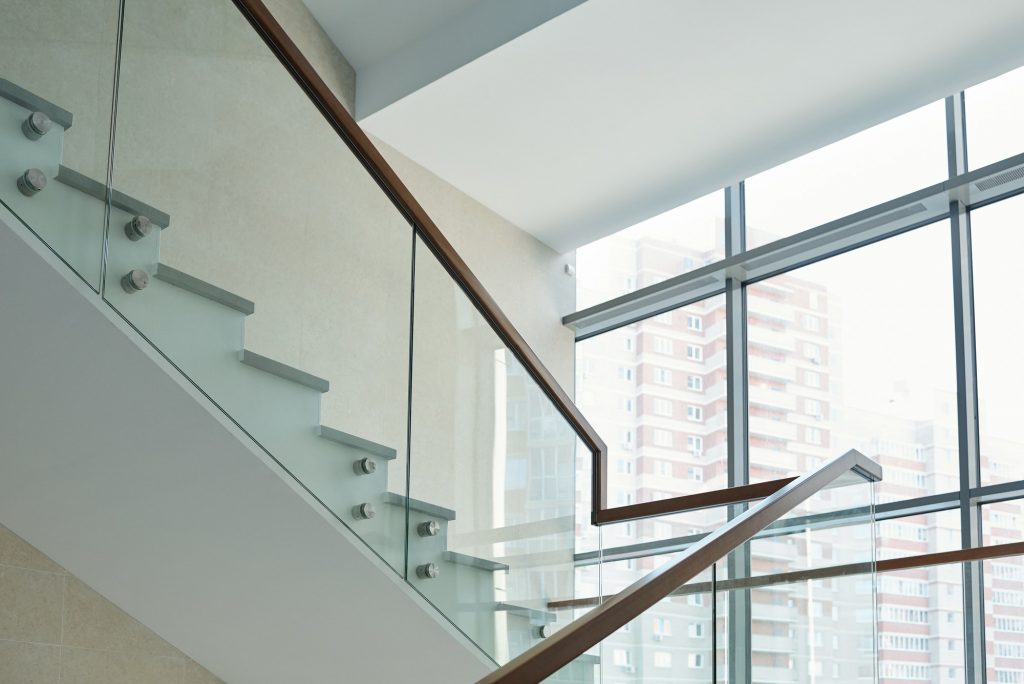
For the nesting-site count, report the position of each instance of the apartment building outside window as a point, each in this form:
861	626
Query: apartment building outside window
858	348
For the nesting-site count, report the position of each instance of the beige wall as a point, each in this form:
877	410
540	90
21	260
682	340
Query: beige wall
54	628
526	277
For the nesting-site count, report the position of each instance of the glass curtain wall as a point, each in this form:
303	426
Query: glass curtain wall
886	340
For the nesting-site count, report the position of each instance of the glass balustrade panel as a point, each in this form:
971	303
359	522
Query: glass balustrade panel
253	249
493	462
56	89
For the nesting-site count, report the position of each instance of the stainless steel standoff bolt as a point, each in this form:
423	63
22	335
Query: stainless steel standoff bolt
363	511
429	528
138	228
544	631
427	571
365	466
135	280
36	125
31	182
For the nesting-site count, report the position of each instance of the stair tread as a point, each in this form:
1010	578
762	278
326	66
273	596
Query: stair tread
31	101
351	440
421	506
474	562
283	370
90	186
202	288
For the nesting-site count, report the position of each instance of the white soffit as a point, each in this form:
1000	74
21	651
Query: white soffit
611	112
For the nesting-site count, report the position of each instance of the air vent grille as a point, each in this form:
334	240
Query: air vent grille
1000	179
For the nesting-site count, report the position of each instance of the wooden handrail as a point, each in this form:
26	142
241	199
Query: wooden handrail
927	560
691	502
284	48
567	644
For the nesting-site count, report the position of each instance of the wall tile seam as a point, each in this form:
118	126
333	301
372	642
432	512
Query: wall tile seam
114	651
63	612
109	651
62	573
28	643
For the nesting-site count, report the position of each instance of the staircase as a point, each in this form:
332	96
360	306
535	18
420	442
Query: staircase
199	327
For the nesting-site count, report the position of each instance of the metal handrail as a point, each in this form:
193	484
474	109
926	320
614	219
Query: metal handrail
569	643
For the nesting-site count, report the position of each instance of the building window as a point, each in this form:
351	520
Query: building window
627	439
627	405
812	407
811	323
696	474
812	379
695	660
662	626
695	382
662	345
695	445
663	468
694	353
621	657
663	407
663	438
665	318
695	413
627	343
812	352
625	373
694	322
696	630
662	659
812	435
662	376
624	466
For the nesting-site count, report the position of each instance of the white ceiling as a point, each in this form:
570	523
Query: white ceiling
581	120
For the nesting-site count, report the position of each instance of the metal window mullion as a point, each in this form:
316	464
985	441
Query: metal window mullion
967	397
738	463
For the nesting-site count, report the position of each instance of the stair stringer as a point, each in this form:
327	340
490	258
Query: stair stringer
122	471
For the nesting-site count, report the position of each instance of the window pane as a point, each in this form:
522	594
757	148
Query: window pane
1003	522
996	234
656	391
857	352
1004	618
670	244
915	535
920	625
994	110
858	172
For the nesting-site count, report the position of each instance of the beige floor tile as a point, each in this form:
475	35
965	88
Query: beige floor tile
22	663
30	605
93	622
17	552
86	666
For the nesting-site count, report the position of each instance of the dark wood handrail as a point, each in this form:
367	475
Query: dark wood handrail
286	51
927	560
567	644
691	502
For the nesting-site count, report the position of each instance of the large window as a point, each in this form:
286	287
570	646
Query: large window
856	335
871	167
994	111
673	243
841	361
997	236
